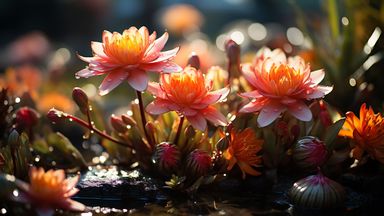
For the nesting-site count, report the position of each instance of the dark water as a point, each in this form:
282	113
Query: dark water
112	191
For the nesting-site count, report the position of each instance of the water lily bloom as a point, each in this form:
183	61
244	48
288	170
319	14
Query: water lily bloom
188	93
367	132
281	84
242	150
128	56
48	191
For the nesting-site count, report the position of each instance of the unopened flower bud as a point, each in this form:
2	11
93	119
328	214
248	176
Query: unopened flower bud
194	61
81	99
199	162
118	124
310	153
26	118
128	120
55	115
233	51
324	115
166	157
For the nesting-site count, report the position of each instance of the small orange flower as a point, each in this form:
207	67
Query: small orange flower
128	56
242	150
189	94
48	191
55	100
367	133
182	18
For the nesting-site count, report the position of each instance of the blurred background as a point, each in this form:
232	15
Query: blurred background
39	40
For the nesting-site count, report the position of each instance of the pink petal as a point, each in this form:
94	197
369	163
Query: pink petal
253	94
249	74
86	59
198	122
300	111
155	89
319	92
138	79
317	76
72	205
269	113
98	49
71	182
71	192
254	106
144	33
157	107
152	37
214	116
187	111
111	81
154	49
163	56
214	96
166	67
106	36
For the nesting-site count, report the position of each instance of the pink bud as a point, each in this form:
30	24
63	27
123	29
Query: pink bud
166	157
26	118
55	115
81	99
118	124
310	153
199	162
194	61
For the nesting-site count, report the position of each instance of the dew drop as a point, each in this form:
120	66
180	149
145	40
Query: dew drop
92	131
5	102
121	78
17	100
50	148
3	211
77	77
109	80
37	158
15	193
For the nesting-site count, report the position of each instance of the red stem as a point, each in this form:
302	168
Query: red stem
101	133
143	119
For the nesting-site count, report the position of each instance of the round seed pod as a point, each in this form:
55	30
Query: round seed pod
166	157
309	153
198	162
317	192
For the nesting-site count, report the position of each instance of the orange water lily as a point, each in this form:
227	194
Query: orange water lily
128	56
242	150
281	84
188	93
48	191
367	132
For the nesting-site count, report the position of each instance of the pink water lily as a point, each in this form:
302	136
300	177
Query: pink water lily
281	84
128	56
189	94
48	191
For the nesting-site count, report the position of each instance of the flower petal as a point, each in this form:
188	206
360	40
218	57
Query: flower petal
98	49
157	107
317	76
72	205
214	116
111	81
138	79
198	122
300	111
252	94
154	49
249	74
269	113
319	92
163	56
166	67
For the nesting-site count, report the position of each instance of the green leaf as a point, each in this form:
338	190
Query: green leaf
332	132
60	143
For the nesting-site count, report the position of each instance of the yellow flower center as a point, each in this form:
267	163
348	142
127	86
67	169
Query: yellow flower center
284	80
128	48
186	87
